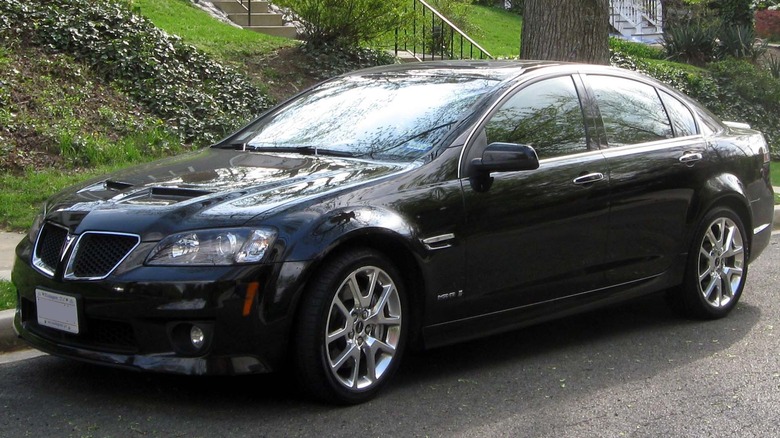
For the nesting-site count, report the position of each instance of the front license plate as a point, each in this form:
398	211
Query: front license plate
57	311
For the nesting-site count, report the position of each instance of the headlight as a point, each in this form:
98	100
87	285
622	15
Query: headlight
213	247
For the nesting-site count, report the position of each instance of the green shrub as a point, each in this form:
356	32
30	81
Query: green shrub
55	111
694	43
753	84
772	63
325	61
740	42
199	98
750	94
346	23
637	50
734	13
732	89
699	43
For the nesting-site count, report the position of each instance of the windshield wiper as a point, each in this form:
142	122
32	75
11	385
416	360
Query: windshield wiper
303	150
372	153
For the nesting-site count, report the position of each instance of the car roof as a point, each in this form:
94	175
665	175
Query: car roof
489	69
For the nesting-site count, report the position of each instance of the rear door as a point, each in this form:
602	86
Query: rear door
656	159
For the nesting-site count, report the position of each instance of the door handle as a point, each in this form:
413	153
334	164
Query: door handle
589	178
690	157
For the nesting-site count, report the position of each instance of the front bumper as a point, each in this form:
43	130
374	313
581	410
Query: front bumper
133	320
168	362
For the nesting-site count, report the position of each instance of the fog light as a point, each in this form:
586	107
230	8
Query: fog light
197	337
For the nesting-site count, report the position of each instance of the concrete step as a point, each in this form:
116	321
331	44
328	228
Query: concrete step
280	31
260	19
234	6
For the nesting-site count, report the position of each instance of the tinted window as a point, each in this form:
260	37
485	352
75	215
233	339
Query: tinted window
545	115
681	116
708	125
631	111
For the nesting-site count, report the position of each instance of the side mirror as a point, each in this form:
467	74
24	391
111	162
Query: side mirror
501	157
506	157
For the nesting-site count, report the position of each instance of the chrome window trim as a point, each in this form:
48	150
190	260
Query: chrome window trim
522	81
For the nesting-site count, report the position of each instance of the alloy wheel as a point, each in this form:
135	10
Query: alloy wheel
363	329
721	262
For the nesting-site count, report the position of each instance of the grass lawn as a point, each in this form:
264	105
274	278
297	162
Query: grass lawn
497	30
22	196
7	295
196	27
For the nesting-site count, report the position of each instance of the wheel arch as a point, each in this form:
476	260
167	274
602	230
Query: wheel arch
398	251
724	190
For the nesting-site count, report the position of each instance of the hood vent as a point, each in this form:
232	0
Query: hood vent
116	185
178	192
163	196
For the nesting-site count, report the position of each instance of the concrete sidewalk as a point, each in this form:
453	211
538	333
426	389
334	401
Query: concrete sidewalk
8	242
8	339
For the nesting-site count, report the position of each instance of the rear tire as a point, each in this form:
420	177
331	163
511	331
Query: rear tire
717	266
351	328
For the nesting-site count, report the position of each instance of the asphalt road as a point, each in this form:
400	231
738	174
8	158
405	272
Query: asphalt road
634	370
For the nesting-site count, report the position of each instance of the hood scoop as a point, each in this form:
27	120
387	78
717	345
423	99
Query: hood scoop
116	185
162	196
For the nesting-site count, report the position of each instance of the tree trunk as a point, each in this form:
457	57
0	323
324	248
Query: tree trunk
566	30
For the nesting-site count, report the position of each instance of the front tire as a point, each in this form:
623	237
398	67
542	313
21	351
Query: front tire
717	266
352	328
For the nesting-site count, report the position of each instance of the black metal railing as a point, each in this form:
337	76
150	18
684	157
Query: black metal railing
248	5
435	37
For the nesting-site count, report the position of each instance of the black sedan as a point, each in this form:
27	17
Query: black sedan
394	208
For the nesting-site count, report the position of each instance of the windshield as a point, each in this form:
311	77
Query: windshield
384	117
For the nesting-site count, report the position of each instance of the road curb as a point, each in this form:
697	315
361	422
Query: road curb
8	339
777	217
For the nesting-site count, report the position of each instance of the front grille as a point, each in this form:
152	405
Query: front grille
97	254
94	256
49	246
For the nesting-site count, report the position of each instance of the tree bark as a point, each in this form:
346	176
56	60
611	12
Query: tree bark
566	30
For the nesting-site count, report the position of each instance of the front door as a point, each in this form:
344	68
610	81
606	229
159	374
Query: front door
540	235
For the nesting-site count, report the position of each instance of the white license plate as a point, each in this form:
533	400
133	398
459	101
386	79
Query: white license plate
57	311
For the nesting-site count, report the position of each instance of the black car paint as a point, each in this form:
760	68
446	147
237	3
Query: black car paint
469	286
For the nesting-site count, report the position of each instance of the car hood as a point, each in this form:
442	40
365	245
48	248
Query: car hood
208	188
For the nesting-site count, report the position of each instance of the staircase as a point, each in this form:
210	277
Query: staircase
640	20
255	15
429	36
